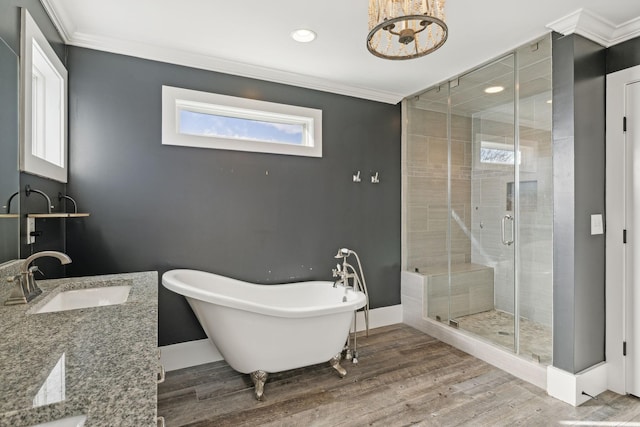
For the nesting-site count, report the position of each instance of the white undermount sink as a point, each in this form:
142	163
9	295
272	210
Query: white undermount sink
85	298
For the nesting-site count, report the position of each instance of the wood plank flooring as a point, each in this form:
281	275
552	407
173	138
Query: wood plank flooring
403	377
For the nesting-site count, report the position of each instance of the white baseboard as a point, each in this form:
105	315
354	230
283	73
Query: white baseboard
193	353
569	387
379	317
190	353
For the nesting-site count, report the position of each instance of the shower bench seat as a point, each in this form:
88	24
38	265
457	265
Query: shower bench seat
471	290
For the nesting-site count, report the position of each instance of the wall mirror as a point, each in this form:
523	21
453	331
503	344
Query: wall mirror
9	175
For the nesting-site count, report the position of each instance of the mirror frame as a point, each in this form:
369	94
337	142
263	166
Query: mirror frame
29	162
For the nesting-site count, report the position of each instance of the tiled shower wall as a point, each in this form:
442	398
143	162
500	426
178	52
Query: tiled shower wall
479	196
489	199
536	235
426	180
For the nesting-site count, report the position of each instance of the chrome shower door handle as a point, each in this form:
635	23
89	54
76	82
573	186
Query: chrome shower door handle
504	239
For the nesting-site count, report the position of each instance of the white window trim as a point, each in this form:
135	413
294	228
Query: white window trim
29	162
173	98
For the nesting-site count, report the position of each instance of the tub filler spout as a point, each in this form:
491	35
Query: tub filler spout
350	279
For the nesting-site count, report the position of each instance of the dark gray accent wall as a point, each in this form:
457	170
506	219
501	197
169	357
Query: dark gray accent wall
52	230
623	55
578	160
564	204
256	217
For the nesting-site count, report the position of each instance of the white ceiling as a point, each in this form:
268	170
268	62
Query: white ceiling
251	38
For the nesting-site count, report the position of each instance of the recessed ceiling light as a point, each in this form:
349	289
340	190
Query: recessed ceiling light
303	35
494	89
549	101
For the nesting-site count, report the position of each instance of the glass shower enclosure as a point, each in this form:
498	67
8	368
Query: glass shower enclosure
479	200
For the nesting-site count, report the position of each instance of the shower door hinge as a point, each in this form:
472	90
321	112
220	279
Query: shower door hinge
624	124
624	236
624	348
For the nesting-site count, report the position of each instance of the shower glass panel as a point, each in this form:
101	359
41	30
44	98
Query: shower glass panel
535	220
479	201
427	197
483	203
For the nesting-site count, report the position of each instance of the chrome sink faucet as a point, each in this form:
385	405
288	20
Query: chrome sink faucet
26	287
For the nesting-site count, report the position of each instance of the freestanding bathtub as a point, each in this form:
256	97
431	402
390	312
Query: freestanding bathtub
260	329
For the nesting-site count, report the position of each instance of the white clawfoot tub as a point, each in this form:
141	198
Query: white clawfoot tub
260	329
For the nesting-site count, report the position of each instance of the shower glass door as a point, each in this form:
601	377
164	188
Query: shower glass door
483	203
479	200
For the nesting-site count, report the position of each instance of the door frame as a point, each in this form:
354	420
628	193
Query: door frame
617	303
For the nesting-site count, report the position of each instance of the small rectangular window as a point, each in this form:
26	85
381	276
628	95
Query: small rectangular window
496	153
208	120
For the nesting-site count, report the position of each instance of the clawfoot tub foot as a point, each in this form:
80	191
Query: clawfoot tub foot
335	364
259	378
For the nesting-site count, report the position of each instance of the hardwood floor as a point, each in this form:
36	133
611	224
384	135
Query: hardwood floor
403	377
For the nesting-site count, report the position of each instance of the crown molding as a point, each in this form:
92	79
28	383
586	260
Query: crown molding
60	20
626	31
206	62
596	28
71	36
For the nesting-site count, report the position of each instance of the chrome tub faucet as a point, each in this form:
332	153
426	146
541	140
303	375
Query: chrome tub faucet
344	273
26	287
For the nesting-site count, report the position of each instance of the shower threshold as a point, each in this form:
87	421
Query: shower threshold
497	327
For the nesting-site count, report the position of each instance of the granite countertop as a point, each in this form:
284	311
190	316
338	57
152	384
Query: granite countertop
101	361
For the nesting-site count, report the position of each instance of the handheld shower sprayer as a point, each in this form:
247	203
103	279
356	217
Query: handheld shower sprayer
343	253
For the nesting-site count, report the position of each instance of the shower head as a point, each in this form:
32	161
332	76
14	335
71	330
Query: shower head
343	252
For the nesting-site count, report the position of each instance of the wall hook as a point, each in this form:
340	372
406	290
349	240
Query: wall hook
356	177
375	179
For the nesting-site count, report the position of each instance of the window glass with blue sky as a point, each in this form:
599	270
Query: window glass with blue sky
219	126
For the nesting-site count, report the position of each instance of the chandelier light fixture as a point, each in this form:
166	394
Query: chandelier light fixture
406	29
